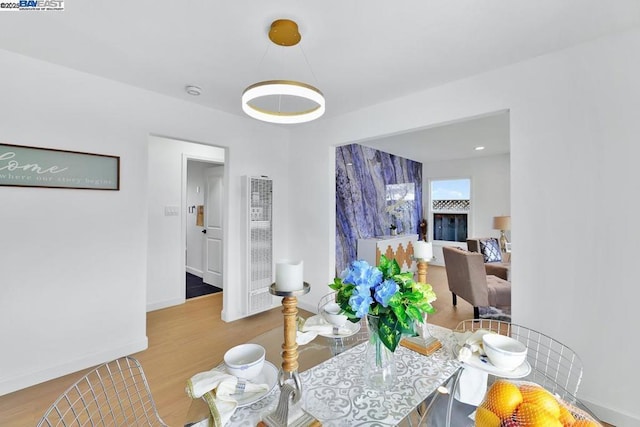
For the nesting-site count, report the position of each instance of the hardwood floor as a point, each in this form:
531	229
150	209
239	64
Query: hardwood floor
446	314
191	338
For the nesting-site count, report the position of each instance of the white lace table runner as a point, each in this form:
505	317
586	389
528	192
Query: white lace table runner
335	391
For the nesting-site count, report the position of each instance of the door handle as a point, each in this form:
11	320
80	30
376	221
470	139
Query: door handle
204	231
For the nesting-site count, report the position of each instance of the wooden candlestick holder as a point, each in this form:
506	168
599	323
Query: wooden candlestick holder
424	343
422	270
288	377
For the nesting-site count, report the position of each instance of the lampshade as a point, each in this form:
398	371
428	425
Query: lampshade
283	101
502	223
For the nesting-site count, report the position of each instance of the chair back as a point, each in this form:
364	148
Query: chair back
466	275
553	364
113	394
473	245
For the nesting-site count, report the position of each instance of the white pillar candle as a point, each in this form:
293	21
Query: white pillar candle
289	276
422	250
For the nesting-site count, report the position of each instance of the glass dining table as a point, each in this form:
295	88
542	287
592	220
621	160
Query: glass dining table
334	388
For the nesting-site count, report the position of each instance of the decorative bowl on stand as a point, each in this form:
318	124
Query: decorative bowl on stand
504	352
330	310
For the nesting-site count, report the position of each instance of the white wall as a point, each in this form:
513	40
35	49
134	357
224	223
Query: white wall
490	192
73	263
574	149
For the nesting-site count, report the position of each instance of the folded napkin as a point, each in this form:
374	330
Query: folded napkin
303	338
217	388
472	385
318	324
470	342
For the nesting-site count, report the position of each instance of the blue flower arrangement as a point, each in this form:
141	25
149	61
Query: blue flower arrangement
384	291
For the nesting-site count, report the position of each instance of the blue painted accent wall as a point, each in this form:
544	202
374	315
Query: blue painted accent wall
365	205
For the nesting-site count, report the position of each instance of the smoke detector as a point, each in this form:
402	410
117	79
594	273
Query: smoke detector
193	90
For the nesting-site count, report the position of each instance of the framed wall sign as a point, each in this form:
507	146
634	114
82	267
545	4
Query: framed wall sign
22	166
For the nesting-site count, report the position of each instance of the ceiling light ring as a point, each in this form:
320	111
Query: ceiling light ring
278	88
280	113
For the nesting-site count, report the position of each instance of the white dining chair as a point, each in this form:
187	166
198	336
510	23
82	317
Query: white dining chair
553	364
113	394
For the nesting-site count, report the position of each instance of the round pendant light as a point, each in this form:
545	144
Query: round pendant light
283	101
280	89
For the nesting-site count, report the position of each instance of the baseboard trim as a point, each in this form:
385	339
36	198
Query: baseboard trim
309	307
164	304
611	416
20	382
193	271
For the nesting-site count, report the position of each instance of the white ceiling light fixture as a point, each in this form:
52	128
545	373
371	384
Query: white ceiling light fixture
283	101
479	148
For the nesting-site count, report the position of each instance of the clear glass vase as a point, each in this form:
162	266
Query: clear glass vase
423	329
380	363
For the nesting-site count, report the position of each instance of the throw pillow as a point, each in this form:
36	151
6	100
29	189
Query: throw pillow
490	248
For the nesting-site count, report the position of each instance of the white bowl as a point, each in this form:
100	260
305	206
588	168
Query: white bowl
331	313
504	352
245	360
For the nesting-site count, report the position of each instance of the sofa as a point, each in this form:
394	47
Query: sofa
494	260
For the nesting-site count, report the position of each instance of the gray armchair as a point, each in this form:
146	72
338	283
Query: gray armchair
492	265
468	279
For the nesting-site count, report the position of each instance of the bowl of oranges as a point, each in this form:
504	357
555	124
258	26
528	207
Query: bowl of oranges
527	404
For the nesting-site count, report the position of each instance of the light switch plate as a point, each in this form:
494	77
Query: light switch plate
171	210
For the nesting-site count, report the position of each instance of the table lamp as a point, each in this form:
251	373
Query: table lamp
502	223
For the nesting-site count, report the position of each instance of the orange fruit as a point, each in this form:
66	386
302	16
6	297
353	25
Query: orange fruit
486	418
502	398
531	415
536	394
585	423
566	417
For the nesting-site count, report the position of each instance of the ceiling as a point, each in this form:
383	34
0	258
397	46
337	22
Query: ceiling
451	141
358	52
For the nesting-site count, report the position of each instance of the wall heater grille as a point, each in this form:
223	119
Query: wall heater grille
260	243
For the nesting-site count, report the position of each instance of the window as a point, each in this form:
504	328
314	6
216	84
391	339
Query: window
450	204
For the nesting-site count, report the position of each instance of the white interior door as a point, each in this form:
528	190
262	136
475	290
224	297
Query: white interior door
213	226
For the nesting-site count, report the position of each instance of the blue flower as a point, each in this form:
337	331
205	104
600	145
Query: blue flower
359	303
361	273
385	291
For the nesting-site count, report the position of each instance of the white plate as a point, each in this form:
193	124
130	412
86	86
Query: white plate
352	327
483	363
268	376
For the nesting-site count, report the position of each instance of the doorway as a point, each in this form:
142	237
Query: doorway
204	227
